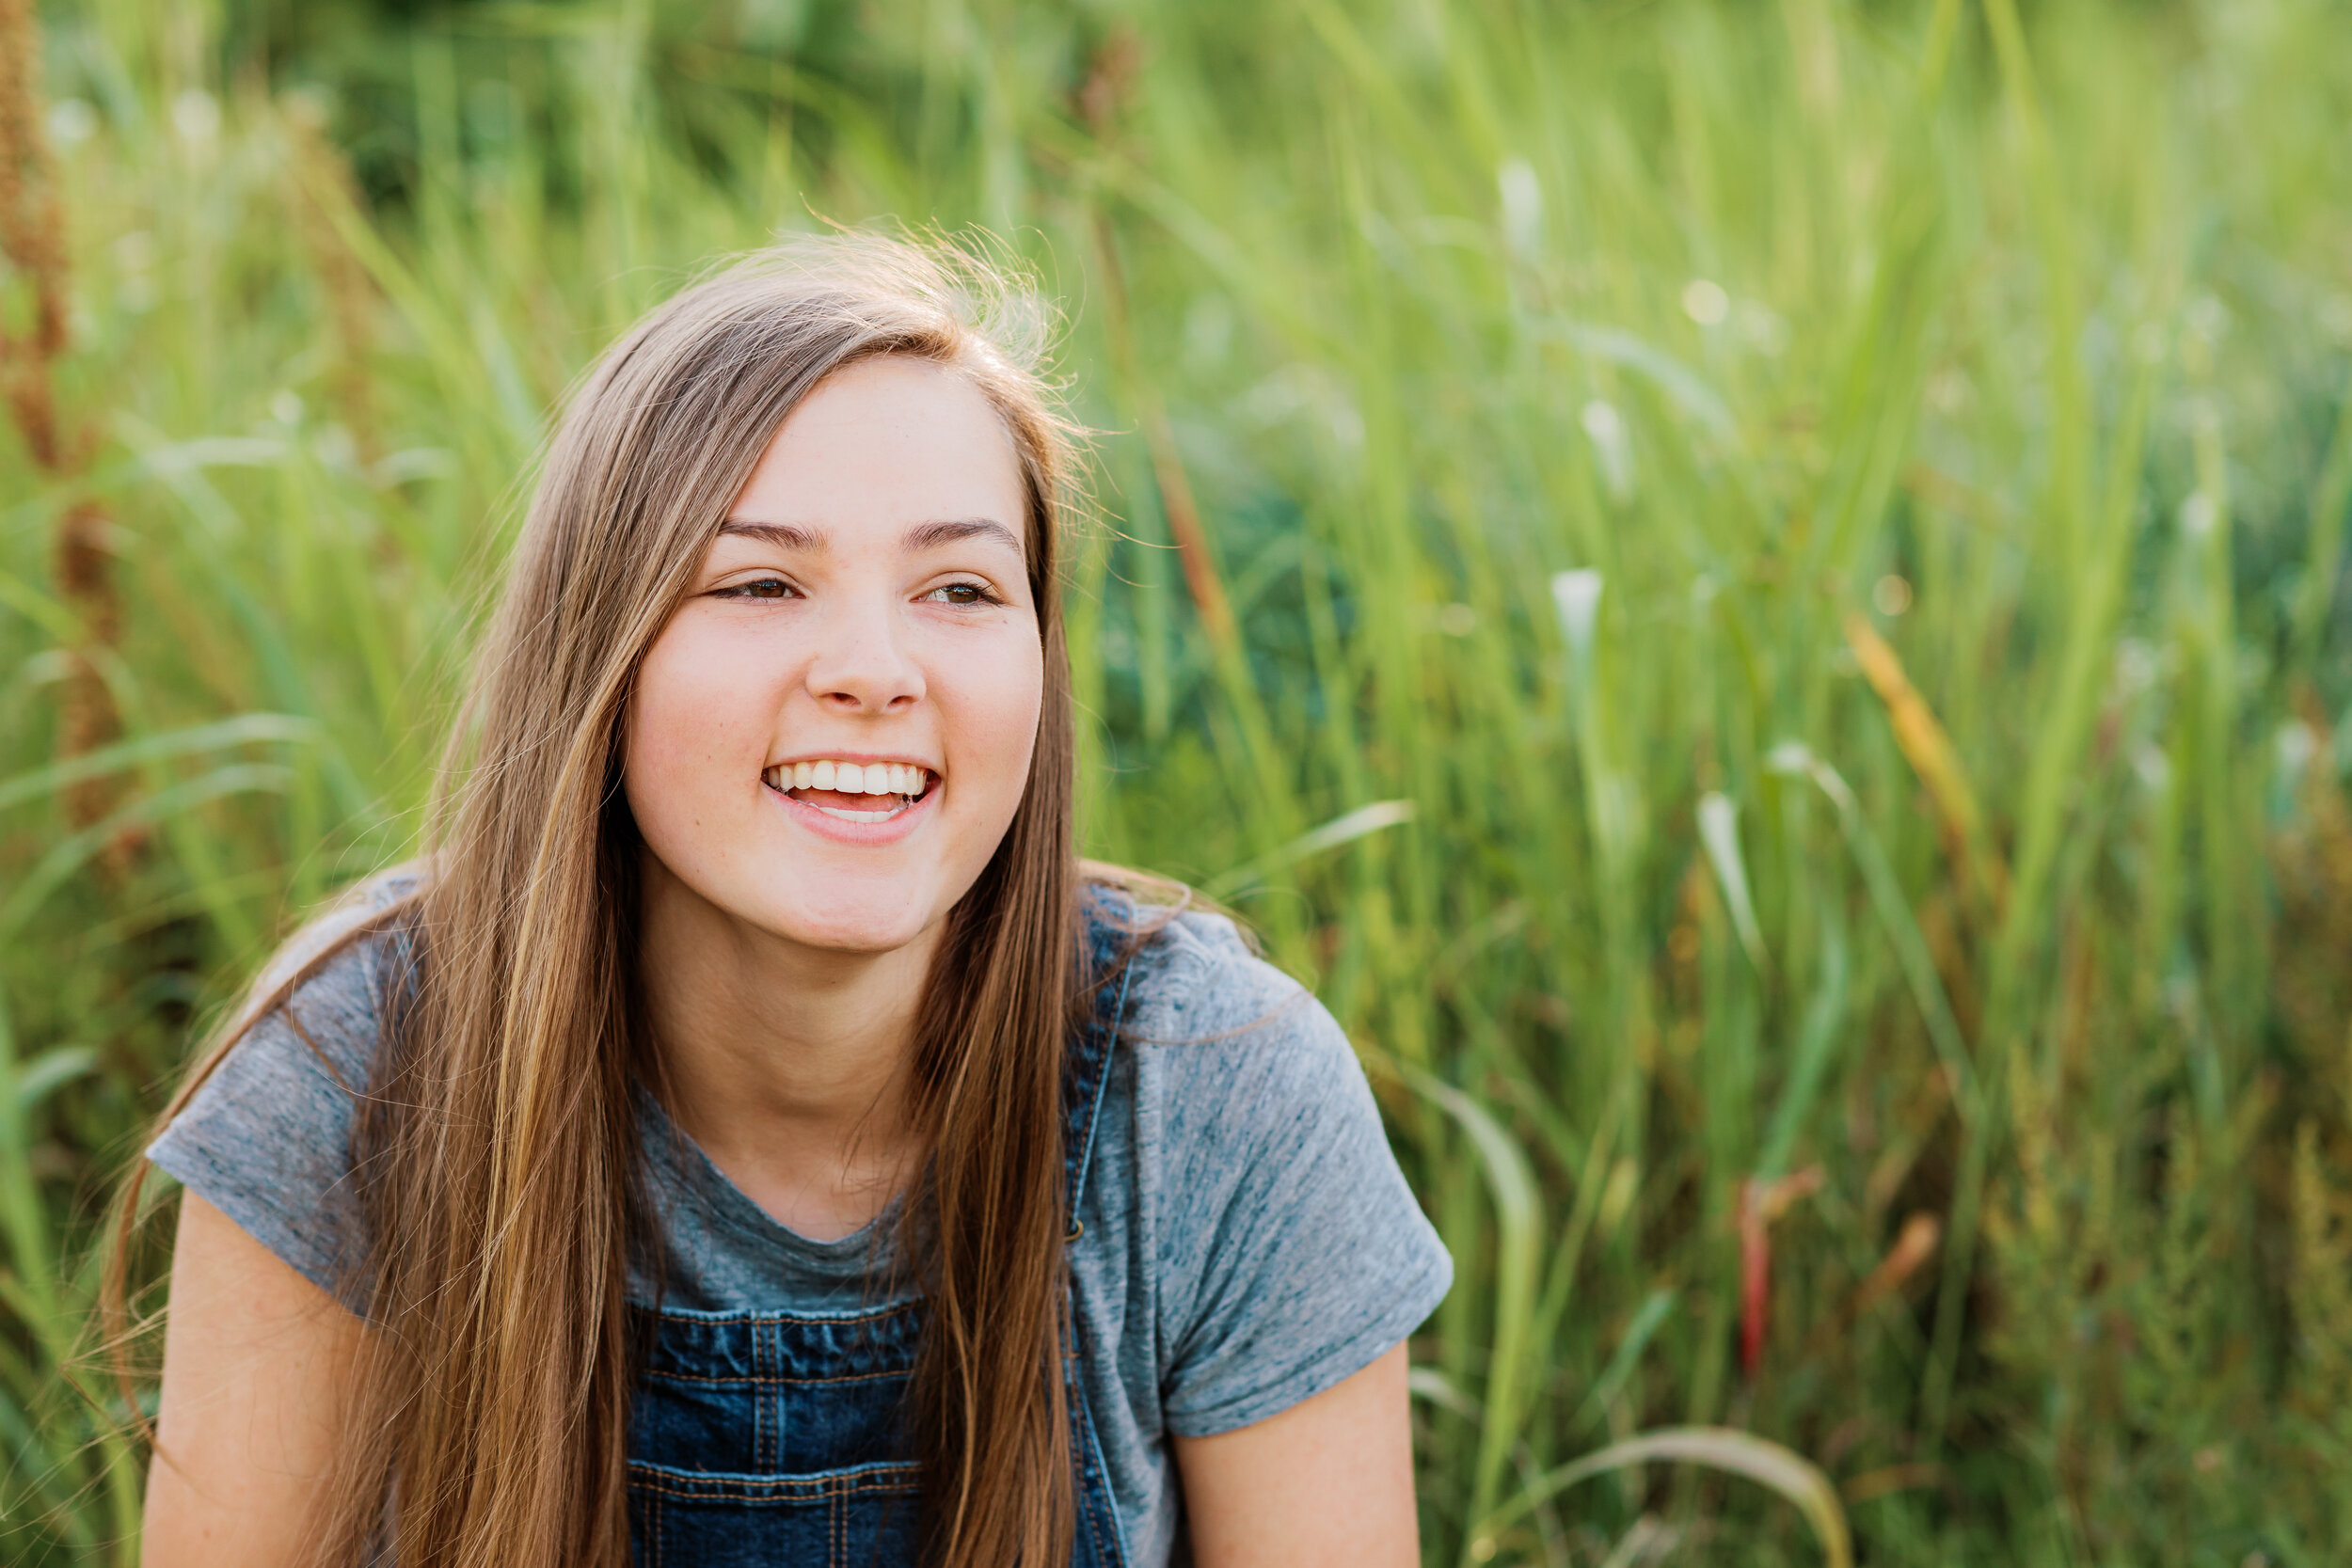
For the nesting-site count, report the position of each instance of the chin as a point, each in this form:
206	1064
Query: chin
876	922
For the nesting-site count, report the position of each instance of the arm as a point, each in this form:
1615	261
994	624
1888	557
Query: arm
1328	1483
257	1365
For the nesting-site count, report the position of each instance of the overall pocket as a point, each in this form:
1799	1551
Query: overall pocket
773	1439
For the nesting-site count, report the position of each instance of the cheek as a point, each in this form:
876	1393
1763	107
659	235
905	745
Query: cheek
996	702
691	726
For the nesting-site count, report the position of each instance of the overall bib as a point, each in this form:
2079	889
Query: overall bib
778	1437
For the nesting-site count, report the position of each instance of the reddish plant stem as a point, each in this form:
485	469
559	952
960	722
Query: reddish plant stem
32	237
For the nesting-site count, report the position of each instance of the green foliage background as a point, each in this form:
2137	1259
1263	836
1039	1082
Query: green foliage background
1873	372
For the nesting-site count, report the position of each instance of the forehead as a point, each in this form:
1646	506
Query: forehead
883	443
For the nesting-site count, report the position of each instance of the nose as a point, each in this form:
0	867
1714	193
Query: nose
862	667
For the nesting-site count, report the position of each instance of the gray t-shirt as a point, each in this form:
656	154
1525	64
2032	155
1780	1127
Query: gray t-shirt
1249	1241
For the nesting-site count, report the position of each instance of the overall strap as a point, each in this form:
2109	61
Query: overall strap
1086	1073
1086	1069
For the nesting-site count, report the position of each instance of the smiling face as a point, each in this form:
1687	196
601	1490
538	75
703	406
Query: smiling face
828	739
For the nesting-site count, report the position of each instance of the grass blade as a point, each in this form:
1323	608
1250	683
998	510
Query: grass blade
1734	1453
1518	1222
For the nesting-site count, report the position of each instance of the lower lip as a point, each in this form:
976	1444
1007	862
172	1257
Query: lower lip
868	833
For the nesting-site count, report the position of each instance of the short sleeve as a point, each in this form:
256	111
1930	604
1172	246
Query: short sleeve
268	1139
1290	1252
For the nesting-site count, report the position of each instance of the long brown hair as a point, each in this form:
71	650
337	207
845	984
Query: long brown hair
497	1144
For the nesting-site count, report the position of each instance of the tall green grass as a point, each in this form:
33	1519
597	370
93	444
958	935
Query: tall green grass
1783	669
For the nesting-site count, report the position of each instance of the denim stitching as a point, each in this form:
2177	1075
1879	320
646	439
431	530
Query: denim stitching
728	1320
1085	1502
684	1483
740	1493
1113	1555
853	1474
1084	1452
781	1489
759	1405
755	1380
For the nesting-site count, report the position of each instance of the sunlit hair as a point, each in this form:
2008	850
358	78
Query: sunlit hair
497	1148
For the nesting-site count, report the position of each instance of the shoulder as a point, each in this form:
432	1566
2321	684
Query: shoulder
263	1129
1196	979
286	1069
1284	1248
1238	1062
326	939
326	984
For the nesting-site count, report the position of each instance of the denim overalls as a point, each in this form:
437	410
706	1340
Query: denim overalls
777	1438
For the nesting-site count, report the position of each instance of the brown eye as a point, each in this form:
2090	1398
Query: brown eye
760	588
962	593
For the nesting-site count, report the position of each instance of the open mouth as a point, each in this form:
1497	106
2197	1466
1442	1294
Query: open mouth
853	792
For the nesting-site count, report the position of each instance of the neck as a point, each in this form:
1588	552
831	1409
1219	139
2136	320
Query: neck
790	1066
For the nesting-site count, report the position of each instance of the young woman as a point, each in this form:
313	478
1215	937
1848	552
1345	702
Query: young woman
748	1133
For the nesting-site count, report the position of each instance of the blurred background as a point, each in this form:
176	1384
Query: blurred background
1752	592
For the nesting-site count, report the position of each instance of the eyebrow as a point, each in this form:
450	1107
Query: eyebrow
925	537
783	535
922	536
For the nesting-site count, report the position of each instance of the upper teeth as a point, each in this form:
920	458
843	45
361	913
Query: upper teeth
851	778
